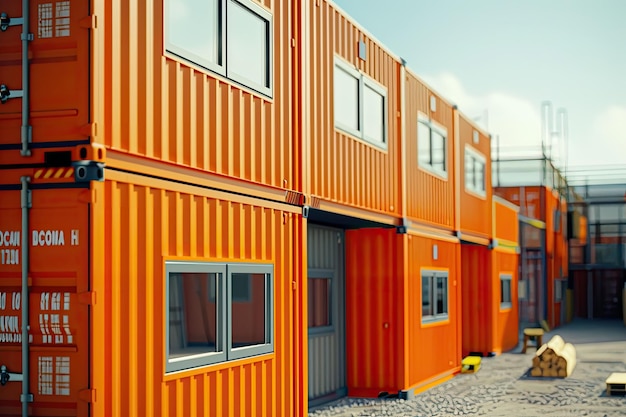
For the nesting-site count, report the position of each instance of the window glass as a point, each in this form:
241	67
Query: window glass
423	143
184	18
248	318
427	306
438	144
480	175
247	45
346	100
505	291
373	115
192	314
319	302
469	170
442	295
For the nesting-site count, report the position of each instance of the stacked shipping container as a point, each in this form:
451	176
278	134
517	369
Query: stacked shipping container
195	234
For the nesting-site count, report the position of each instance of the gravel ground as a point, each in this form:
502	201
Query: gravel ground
504	387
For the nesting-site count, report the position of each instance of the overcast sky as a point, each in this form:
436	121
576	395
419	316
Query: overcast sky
500	59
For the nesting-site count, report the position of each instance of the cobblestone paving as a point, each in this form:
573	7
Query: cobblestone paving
503	387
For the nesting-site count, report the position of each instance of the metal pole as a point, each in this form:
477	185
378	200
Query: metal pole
26	204
26	38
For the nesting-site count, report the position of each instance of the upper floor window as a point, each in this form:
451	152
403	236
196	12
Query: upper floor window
434	296
217	312
474	172
232	38
360	105
432	146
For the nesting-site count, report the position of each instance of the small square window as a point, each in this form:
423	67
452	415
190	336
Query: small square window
434	296
432	146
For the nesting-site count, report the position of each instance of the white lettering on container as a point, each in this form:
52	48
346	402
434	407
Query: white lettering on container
3	300
10	238
9	324
74	237
48	238
9	256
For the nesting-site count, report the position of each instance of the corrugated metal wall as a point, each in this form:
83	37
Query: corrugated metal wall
327	351
506	225
174	221
375	304
345	169
429	356
58	277
506	327
475	209
59	110
479	304
438	208
154	105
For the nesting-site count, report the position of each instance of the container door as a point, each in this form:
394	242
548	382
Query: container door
59	79
326	314
59	299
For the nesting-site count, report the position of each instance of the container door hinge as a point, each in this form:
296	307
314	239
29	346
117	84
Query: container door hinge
88	298
89	22
6	21
87	395
6	376
6	94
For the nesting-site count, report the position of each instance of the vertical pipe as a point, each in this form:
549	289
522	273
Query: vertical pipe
25	204
26	132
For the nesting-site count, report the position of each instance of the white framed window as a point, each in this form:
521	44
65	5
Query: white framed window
432	146
434	296
217	313
232	38
360	104
475	166
505	291
320	284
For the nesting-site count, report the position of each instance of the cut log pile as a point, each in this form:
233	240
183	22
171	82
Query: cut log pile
554	359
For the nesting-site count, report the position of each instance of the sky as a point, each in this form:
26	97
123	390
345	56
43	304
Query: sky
499	60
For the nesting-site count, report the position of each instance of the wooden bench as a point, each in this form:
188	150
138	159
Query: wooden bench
616	383
536	333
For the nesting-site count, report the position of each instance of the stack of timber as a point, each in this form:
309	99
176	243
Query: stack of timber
554	359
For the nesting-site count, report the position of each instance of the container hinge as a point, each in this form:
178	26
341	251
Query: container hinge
6	376
6	21
6	94
87	395
88	298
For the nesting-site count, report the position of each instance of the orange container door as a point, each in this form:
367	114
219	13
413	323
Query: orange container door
59	81
58	301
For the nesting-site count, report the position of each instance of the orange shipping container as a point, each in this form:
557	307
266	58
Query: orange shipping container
351	107
124	279
429	156
408	338
474	184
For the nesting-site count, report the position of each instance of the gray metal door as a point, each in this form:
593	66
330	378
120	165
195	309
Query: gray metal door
326	315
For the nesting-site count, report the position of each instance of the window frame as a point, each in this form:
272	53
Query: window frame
363	81
476	158
223	313
431	276
221	67
330	276
442	131
506	277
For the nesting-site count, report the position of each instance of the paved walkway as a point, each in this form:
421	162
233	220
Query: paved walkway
503	386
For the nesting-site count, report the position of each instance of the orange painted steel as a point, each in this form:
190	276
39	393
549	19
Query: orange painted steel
59	77
388	347
150	103
506	326
506	224
479	300
59	301
176	222
476	208
439	208
375	335
345	169
433	349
